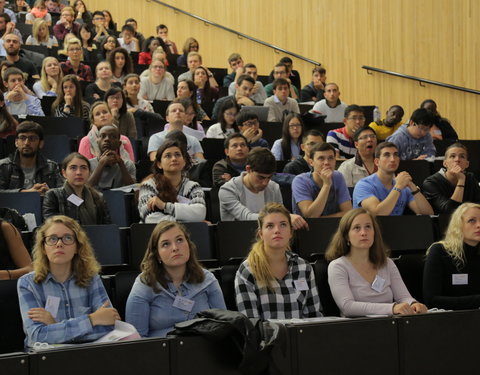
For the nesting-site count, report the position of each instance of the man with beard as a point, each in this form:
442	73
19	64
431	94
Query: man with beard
109	170
11	43
385	194
28	170
236	149
362	164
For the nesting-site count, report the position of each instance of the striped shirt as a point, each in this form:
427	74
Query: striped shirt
339	139
295	296
73	324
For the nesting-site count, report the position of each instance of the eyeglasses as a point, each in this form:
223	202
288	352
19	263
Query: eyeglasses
31	138
294	126
158	67
230	114
67	239
74	49
367	136
251	123
423	128
356	118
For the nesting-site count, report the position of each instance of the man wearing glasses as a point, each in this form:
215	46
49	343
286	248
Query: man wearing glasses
28	170
413	139
342	138
362	164
244	196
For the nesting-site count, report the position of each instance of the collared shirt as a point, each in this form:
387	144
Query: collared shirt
353	170
154	314
76	303
295	295
84	72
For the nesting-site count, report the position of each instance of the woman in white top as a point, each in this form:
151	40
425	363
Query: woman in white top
131	86
50	78
156	87
41	35
227	124
363	279
288	147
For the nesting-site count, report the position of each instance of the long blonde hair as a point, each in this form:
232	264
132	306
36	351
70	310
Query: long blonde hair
84	264
257	257
44	77
453	240
37	23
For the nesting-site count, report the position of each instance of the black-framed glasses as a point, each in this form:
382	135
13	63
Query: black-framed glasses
67	239
31	138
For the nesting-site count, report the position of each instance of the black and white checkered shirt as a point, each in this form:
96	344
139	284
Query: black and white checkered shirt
289	300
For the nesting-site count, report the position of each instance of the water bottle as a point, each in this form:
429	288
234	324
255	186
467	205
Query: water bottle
376	114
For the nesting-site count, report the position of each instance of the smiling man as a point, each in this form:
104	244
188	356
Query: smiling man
28	170
244	196
322	192
342	138
363	164
452	185
383	193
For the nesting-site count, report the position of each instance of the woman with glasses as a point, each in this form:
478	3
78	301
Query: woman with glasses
106	47
288	147
76	199
63	300
156	86
226	124
74	63
124	120
190	45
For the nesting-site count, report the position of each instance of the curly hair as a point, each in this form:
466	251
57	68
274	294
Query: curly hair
84	264
153	270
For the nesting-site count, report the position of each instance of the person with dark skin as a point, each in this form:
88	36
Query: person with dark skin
390	124
110	170
442	129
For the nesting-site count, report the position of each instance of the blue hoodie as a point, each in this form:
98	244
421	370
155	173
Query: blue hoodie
409	147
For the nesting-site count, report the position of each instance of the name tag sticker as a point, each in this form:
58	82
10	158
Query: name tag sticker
378	284
184	304
460	279
300	285
52	305
75	199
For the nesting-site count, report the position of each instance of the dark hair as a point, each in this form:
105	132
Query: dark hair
30	126
177	136
6	17
245	77
77	100
161	26
357	134
250	65
10	72
313	133
319	69
188	42
85	15
245	116
228	104
115	90
86	26
286	137
286	60
149	40
98	13
381	146
207	91
261	160
128	28
428	101
279	82
166	191
280	64
131	20
111	24
457	145
11	121
153	270
102	45
320	147
187	102
353	108
128	67
421	116
74	155
226	143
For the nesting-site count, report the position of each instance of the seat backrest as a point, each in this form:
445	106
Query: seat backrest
320	268
271	131
213	149
24	203
11	333
57	147
119	204
316	239
234	239
72	127
227	283
122	285
418	169
46	102
105	240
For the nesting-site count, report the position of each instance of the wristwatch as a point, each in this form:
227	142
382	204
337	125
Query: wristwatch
397	189
416	191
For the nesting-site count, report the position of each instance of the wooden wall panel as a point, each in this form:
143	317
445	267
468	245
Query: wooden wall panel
434	39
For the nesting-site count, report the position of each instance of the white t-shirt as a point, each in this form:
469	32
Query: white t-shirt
254	201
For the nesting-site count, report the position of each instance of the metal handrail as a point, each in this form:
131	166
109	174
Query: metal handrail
239	34
421	80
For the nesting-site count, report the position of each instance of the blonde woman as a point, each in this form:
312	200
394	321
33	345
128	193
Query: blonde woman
41	35
63	300
74	65
451	279
50	78
274	283
170	273
363	279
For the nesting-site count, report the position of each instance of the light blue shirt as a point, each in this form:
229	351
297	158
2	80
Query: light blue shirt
157	139
73	324
278	152
154	315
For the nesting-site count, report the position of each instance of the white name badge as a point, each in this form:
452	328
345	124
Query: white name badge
184	304
378	284
300	285
75	199
52	305
460	279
